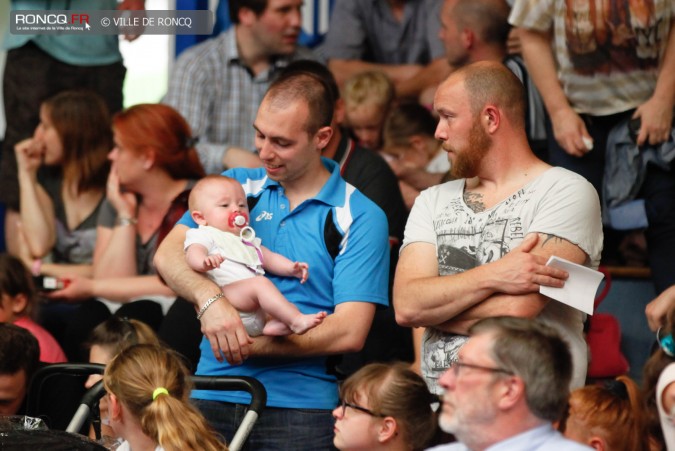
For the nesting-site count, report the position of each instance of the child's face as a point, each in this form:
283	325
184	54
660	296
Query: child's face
102	355
355	429
218	201
366	122
407	156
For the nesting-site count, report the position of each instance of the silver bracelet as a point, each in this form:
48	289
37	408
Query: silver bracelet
124	221
208	304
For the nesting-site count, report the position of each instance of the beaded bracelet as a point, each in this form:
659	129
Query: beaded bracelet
208	304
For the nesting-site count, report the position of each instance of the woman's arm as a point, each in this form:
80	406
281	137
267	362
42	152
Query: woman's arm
115	249
119	289
36	210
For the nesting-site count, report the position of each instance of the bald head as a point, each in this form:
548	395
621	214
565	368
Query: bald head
489	82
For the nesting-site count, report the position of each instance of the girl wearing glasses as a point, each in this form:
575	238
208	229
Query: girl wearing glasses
386	407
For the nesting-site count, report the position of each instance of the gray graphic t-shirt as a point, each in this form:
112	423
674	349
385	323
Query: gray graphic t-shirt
558	202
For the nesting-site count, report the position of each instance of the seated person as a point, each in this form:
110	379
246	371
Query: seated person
225	247
398	37
368	96
148	389
392	401
609	416
154	166
411	149
19	359
218	84
18	305
62	172
106	341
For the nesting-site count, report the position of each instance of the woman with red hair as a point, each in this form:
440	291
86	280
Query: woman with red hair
154	166
608	416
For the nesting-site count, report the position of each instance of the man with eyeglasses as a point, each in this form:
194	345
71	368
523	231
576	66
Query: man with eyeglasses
510	384
477	247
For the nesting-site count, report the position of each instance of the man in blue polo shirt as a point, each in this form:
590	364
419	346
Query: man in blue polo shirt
301	208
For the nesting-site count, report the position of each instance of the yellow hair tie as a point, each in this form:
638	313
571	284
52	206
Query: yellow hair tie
159	391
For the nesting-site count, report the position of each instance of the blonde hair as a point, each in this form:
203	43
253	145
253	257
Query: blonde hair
170	420
394	390
369	88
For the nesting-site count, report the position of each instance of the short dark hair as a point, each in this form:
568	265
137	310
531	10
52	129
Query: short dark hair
488	18
407	120
537	354
257	6
15	279
310	88
313	68
19	350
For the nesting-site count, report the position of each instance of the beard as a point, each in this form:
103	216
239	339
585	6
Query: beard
469	423
468	160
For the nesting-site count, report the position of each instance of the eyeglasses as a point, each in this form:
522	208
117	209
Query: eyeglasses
344	404
455	366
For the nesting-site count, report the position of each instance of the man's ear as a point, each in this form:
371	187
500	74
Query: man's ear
247	16
513	392
468	38
388	430
490	118
19	303
323	136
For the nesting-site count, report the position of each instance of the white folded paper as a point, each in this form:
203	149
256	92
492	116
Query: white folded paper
580	288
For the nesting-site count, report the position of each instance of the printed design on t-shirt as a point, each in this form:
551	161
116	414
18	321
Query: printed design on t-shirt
466	239
613	36
439	350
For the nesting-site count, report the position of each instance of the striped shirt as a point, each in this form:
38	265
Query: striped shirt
219	96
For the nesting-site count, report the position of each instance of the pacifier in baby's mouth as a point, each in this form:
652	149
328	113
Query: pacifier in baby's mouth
238	219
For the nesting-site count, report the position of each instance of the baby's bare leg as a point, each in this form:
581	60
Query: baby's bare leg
259	292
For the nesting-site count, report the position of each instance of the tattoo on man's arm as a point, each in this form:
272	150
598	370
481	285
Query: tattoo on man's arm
474	201
549	237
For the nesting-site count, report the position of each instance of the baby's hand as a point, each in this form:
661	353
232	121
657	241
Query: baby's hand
301	271
213	261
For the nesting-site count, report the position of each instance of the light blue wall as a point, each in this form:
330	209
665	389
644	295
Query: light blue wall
627	300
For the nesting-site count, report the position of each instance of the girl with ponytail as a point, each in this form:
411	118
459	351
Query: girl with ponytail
148	388
608	416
